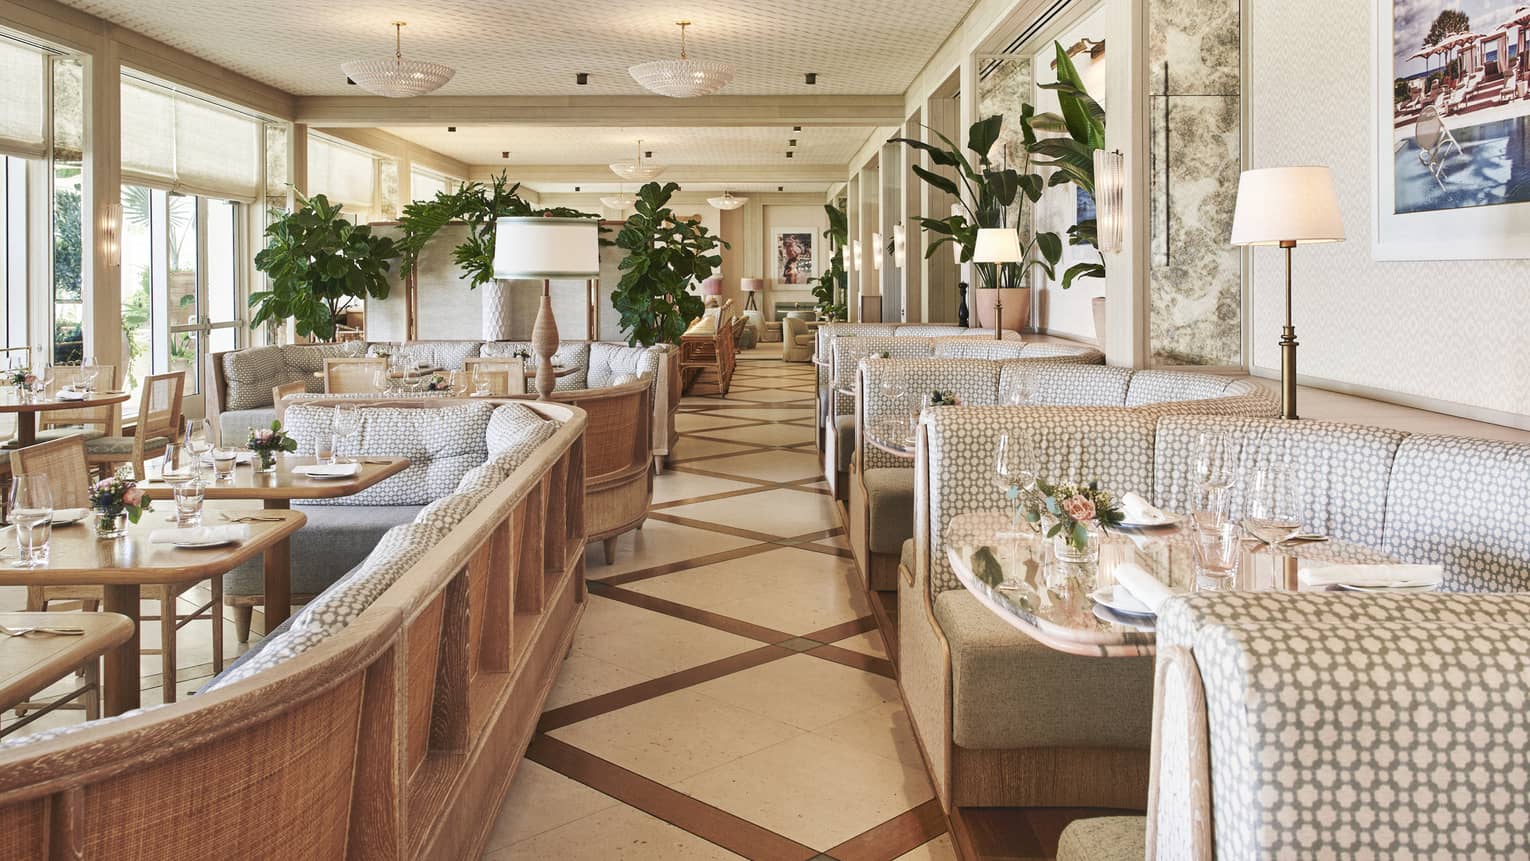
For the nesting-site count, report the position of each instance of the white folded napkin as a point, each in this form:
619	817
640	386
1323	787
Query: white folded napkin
1139	510
328	470
1143	586
69	515
67	395
1372	576
201	534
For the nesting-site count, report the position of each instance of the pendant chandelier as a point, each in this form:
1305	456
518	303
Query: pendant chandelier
396	77
683	78
619	201
727	202
635	170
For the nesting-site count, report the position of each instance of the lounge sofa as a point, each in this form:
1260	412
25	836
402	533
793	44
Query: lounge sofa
977	690
1322	726
881	485
838	405
387	721
239	383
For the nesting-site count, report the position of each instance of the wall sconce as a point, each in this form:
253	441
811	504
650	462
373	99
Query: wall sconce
111	234
856	261
900	246
878	250
1109	199
844	258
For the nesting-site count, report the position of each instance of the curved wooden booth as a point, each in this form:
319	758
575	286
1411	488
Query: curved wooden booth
395	738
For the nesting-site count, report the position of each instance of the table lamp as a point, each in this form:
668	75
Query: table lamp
751	286
711	289
546	248
998	245
1287	206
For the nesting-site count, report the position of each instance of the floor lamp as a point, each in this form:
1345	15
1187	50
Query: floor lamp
546	248
998	245
1286	207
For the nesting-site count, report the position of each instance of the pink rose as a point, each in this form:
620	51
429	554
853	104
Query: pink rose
263	435
1079	508
29	379
104	483
132	496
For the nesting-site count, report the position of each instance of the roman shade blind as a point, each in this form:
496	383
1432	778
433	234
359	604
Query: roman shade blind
23	100
343	174
181	142
424	185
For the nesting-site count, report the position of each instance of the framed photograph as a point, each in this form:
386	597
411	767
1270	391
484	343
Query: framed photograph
1452	128
796	263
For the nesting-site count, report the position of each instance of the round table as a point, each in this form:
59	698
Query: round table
26	411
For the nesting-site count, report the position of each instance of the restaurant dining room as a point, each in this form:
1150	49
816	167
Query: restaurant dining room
995	430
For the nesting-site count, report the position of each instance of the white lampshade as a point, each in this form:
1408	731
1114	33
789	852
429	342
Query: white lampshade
1109	200
712	286
997	245
1287	204
900	245
752	285
876	251
535	247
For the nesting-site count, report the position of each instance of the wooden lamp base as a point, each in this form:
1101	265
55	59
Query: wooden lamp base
544	342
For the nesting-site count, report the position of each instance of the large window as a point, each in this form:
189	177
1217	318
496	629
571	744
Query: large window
346	175
425	185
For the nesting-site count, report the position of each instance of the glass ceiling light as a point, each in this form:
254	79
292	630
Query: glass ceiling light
635	170
683	78
727	202
618	201
398	78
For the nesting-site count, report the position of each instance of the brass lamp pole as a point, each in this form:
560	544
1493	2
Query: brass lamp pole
1285	207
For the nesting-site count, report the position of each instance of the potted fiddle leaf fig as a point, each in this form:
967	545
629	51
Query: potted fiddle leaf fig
665	254
318	262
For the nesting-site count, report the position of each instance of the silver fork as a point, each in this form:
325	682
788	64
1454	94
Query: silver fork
251	518
58	632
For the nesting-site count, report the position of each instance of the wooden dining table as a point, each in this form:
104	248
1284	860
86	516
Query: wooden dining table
31	662
123	566
276	492
27	411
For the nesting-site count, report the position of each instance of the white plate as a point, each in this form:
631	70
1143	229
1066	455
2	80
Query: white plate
1169	519
1122	602
303	471
66	516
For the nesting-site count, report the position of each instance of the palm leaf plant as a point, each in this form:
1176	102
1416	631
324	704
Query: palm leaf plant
318	262
827	288
1082	121
665	254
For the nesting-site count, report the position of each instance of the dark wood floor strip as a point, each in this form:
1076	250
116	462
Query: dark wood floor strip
684	564
703	820
714	527
689	613
895	837
858	660
843	630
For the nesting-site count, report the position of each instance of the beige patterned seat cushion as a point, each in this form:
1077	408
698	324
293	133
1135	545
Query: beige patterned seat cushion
1104	838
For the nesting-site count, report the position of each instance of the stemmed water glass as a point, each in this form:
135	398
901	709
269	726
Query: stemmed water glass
347	423
1272	509
42	376
32	512
199	442
1018	388
87	377
1214	453
1015	466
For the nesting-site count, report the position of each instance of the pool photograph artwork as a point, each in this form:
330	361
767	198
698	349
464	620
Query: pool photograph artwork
1460	104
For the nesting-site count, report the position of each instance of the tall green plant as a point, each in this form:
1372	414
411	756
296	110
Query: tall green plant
985	195
1082	120
664	255
828	286
318	261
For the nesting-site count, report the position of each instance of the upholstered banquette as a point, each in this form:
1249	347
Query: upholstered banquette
846	352
976	688
1332	726
385	722
239	383
881	484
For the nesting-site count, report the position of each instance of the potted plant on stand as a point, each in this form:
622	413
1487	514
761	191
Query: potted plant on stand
828	286
664	255
318	263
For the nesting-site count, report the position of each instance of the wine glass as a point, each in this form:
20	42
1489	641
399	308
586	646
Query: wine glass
87	377
198	441
32	512
177	466
1212	465
42	377
1273	504
1019	387
347	423
1015	463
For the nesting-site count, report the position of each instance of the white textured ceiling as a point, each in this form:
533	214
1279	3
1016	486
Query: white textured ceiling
534	47
484	145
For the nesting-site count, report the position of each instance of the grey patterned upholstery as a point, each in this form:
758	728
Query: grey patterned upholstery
444	354
1385	727
574	354
335	540
251	374
442	444
234	426
608	362
1454	501
975	382
515	427
399	548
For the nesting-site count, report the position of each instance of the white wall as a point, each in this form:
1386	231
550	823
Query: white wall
1452	335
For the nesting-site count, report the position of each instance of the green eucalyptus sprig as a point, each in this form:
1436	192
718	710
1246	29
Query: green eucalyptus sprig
1066	509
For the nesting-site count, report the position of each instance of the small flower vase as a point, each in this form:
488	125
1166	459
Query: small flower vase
265	461
110	526
1069	553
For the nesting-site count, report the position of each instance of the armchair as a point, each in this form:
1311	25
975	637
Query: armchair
796	340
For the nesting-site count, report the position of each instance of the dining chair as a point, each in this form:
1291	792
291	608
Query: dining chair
64	462
88	422
158	424
350	375
506	376
278	396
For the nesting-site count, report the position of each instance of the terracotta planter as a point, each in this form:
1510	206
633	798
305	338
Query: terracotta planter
1017	307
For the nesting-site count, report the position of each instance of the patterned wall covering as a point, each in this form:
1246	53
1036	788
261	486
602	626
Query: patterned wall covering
1196	315
1395	326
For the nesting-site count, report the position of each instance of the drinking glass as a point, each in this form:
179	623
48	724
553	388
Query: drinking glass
87	377
224	460
199	442
177	466
1217	552
324	448
1015	463
188	504
32	512
459	382
42	377
1273	504
480	381
1214	453
1019	388
347	423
